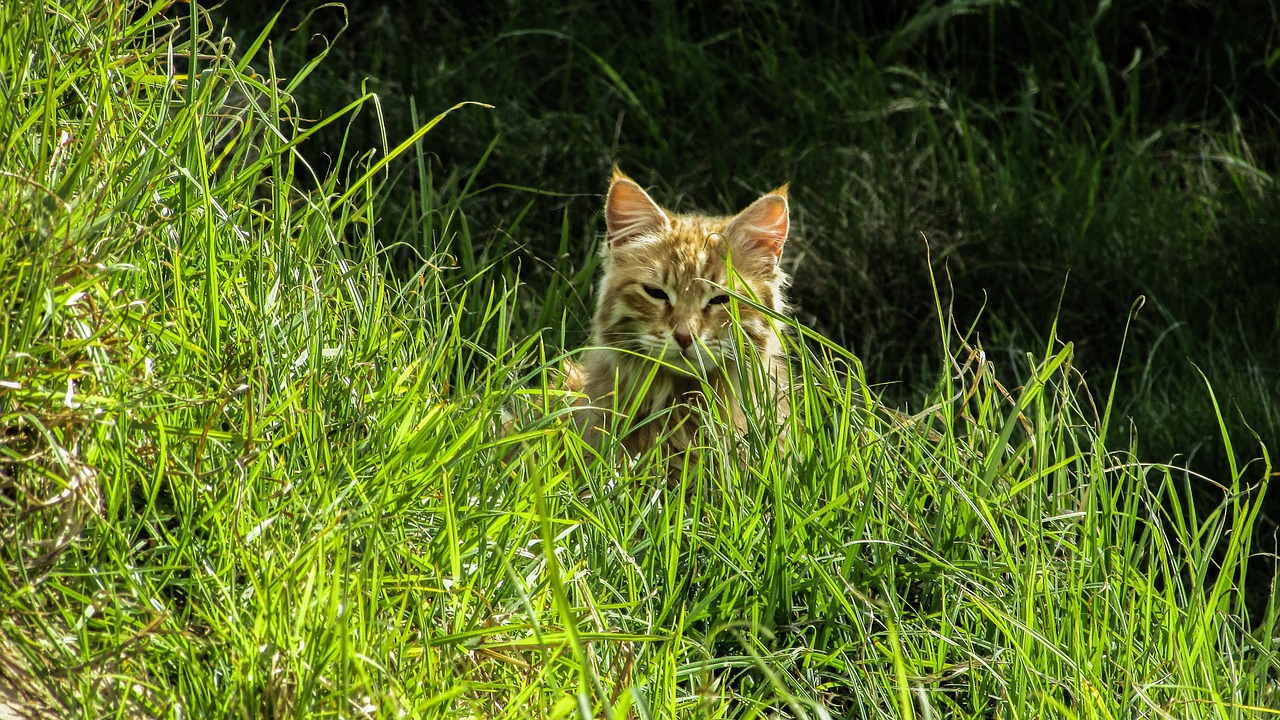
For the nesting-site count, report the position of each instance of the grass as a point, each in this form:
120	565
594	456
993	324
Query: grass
249	471
1059	162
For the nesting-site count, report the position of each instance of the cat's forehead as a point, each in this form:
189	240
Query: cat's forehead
697	244
693	247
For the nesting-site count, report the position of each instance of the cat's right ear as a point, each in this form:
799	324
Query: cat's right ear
629	212
761	229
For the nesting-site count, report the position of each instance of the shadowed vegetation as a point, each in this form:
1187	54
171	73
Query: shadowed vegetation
1061	162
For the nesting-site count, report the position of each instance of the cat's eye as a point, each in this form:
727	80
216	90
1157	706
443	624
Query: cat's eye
718	300
655	292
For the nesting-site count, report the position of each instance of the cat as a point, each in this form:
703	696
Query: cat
663	329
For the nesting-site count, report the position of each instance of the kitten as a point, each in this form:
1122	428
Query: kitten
663	328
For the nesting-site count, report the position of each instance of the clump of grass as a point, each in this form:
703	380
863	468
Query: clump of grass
248	472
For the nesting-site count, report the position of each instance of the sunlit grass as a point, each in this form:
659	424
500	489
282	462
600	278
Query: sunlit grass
248	472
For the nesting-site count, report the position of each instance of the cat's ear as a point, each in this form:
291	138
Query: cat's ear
762	228
629	212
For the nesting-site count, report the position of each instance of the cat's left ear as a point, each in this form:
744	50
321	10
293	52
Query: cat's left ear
762	228
630	213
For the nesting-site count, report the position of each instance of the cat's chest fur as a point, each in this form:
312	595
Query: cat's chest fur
650	408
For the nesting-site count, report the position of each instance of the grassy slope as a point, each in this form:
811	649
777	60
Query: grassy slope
246	473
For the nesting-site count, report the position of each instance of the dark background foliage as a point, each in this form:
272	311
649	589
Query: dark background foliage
1048	162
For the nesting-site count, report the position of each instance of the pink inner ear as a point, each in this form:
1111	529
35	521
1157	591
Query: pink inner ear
630	212
763	225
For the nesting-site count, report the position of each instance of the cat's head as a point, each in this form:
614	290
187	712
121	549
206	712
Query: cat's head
663	293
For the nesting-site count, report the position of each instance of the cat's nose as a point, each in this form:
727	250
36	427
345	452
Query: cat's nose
683	338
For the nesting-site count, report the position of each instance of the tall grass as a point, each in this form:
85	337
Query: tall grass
249	472
1060	160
